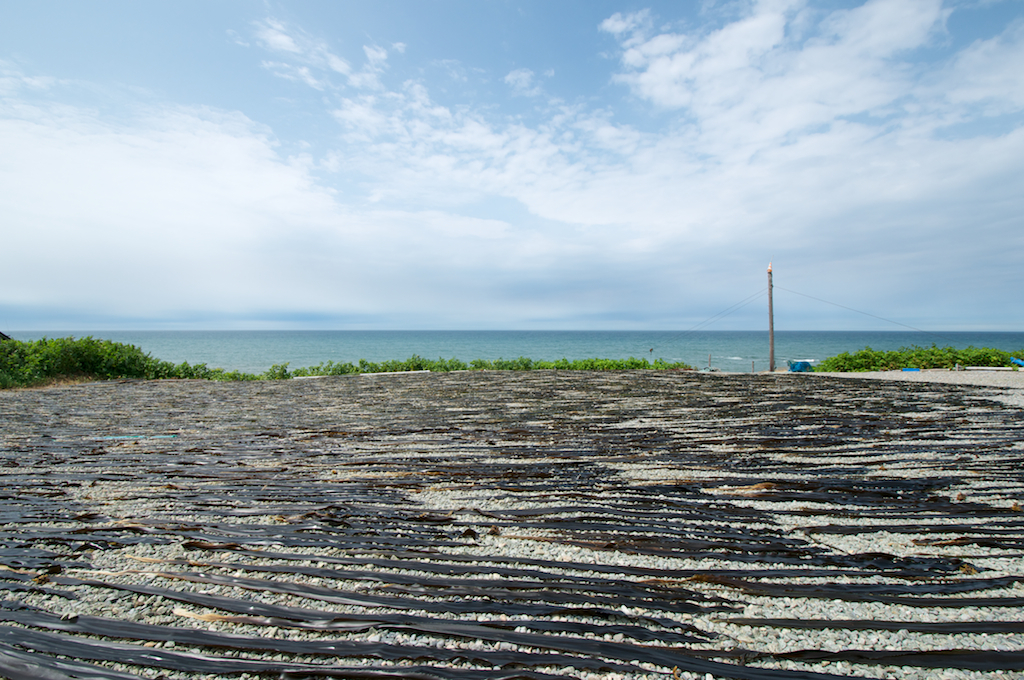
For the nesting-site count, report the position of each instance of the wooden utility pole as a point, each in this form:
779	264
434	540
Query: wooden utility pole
771	324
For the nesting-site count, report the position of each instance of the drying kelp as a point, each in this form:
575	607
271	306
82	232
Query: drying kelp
500	525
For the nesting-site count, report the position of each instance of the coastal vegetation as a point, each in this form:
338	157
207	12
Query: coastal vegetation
868	359
55	360
416	363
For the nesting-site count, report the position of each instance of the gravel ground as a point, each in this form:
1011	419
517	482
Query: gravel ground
619	525
1011	382
984	378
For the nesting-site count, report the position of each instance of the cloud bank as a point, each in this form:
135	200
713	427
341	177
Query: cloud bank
875	162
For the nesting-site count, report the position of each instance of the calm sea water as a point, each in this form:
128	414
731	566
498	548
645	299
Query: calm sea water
256	351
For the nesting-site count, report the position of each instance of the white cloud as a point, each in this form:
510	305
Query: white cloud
618	23
362	117
752	79
990	73
522	83
520	78
338	65
13	80
274	36
823	139
236	38
180	211
820	141
375	55
302	53
298	74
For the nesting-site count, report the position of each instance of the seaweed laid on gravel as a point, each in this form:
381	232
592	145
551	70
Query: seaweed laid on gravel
623	524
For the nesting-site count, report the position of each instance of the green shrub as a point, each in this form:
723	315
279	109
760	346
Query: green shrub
524	364
36	362
25	364
868	359
330	368
277	372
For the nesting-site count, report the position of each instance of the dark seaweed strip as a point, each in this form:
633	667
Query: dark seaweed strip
897	566
635	632
910	514
107	539
910	626
19	576
623	542
879	592
891	565
853	564
773	544
273	537
902	566
915	529
16	664
113	628
27	588
687	538
293	534
662	656
666	657
642	518
322	620
503	596
979	660
925	567
627	591
997	543
557	600
416	673
150	657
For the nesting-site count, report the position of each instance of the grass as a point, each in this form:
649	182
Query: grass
52	361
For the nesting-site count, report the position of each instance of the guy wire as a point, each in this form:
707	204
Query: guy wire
725	312
874	316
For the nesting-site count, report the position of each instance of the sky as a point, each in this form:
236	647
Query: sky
474	164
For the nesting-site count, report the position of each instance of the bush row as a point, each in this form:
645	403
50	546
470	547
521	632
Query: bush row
24	364
868	359
417	363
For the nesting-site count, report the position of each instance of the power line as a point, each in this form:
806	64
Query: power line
858	311
726	312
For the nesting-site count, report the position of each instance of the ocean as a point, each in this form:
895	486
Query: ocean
734	351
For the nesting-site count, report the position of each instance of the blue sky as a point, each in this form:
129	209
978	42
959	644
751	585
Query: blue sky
511	165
